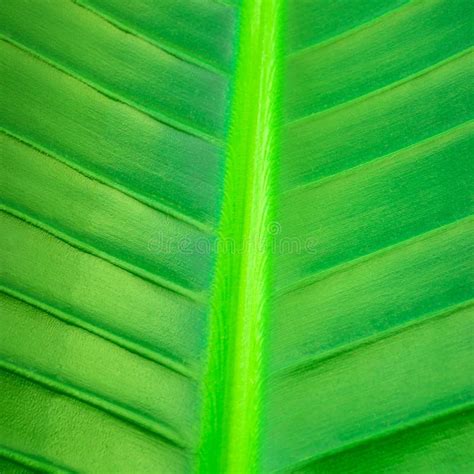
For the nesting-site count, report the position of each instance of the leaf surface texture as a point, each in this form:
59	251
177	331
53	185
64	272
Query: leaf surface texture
236	236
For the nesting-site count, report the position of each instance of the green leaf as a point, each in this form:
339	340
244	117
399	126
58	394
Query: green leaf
236	236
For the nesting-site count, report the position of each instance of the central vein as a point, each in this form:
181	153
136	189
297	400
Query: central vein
232	409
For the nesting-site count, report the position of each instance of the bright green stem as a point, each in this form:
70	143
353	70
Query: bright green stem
239	307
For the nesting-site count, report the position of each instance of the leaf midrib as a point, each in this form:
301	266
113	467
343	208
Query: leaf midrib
233	385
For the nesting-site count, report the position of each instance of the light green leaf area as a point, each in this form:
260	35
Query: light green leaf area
236	236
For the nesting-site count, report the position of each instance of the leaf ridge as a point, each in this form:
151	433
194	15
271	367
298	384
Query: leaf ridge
159	429
344	34
323	274
416	75
91	250
154	115
27	460
69	318
176	52
304	365
462	407
444	135
154	204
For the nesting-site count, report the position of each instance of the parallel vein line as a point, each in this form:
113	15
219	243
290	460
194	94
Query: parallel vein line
354	30
94	399
350	264
106	334
393	85
171	50
33	462
152	203
310	363
459	408
445	134
91	250
103	91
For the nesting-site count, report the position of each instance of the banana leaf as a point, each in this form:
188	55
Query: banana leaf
236	236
